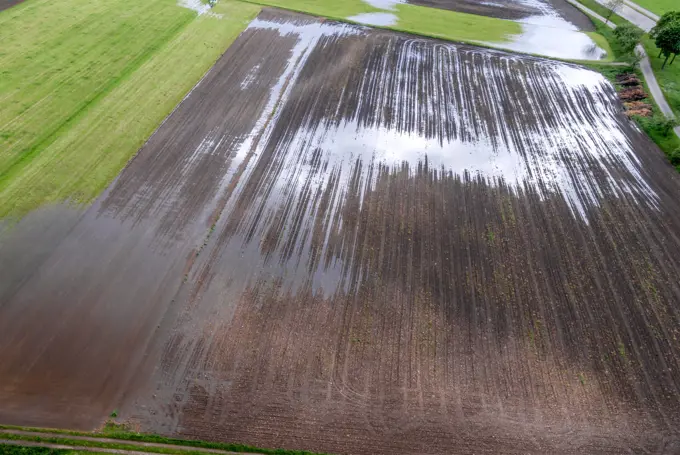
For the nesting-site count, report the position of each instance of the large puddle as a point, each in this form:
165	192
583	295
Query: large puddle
535	123
545	30
377	19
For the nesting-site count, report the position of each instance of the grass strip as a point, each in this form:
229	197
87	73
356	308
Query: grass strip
86	155
7	449
668	78
99	444
120	432
419	20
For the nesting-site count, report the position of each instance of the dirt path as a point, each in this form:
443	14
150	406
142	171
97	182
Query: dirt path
101	440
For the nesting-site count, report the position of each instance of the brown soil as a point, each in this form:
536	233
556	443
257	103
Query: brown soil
638	108
6	4
514	10
353	241
628	80
632	94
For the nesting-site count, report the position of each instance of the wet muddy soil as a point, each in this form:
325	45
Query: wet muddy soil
6	4
561	12
356	241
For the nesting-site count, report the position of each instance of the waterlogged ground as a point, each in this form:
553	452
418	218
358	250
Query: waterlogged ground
549	27
5	4
355	241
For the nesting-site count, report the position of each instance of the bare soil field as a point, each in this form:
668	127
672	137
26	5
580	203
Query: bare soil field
356	241
559	10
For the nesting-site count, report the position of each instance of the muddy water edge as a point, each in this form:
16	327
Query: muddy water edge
6	4
354	241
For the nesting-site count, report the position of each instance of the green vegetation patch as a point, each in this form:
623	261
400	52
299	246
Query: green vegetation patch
7	449
339	10
454	26
603	43
85	83
653	126
415	19
668	78
124	437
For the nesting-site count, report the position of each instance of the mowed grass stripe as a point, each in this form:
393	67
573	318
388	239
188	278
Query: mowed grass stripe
421	20
93	145
46	86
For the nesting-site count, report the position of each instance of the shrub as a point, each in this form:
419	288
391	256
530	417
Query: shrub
627	36
674	157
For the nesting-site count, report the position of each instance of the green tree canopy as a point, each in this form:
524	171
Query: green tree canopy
668	39
628	36
669	17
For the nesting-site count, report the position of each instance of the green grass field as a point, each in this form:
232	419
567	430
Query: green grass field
420	20
659	6
84	84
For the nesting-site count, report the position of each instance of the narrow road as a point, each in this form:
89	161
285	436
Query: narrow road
645	66
633	15
644	11
67	445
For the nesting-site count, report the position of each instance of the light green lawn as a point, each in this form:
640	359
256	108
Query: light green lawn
454	26
659	6
420	20
77	101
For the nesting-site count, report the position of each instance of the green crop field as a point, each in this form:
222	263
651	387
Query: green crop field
85	83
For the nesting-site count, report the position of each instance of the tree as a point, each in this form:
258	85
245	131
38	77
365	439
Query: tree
669	17
668	40
613	6
667	125
627	36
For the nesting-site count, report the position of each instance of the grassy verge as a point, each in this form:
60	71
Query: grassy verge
668	143
602	11
85	83
7	449
122	434
668	78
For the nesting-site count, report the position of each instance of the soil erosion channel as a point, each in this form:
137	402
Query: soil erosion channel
355	241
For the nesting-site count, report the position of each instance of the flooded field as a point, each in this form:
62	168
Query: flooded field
355	241
561	13
551	28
